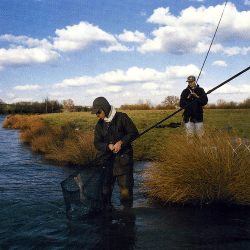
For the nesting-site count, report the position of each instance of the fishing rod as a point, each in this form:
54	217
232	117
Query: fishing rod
105	157
211	43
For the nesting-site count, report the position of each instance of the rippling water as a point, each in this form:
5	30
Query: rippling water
32	213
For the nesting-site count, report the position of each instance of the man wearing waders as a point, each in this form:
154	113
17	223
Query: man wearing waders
193	113
113	133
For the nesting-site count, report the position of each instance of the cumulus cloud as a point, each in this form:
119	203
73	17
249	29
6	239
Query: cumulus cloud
131	76
114	89
81	37
129	36
26	41
23	56
116	47
229	89
23	50
22	100
193	29
220	63
27	87
10	95
247	2
76	82
150	86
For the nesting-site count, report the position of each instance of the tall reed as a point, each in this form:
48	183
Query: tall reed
200	172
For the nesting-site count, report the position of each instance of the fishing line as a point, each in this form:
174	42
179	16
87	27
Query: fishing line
211	43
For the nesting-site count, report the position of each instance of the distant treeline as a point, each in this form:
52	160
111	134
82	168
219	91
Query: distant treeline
48	106
37	108
221	104
167	105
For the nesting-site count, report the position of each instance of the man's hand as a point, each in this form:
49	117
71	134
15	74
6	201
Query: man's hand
116	147
195	95
111	147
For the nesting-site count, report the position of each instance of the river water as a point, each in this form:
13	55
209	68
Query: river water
32	213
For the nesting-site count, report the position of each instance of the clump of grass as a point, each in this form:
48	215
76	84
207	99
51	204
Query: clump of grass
78	149
62	144
200	173
17	121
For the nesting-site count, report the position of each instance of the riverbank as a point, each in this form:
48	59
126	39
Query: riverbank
197	174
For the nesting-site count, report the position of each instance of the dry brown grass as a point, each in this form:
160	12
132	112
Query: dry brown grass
200	173
17	121
78	149
62	144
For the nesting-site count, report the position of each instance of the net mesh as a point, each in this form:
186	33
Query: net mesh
82	191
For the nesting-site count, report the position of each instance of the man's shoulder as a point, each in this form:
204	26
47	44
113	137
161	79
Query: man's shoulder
185	90
200	88
121	114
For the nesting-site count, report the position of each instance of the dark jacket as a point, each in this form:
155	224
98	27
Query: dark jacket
120	128
194	111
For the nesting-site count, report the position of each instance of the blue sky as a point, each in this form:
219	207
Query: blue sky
124	50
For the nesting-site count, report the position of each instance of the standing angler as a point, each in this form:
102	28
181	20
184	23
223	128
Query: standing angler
113	133
193	113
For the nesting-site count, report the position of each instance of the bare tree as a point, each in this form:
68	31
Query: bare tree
68	104
171	100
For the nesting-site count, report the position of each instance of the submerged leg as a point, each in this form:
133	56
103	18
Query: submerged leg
126	183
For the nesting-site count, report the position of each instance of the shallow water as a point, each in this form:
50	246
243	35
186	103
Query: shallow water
32	213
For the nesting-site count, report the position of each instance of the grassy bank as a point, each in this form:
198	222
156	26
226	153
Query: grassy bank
200	173
183	173
73	126
58	143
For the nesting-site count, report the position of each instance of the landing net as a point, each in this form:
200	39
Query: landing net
82	191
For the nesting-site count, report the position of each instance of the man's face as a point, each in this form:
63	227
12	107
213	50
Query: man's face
100	114
191	84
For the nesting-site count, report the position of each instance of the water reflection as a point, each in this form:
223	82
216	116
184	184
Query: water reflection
109	231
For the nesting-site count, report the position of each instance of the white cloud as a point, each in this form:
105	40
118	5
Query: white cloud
93	92
76	82
116	47
114	89
150	86
129	36
131	76
23	56
247	2
81	37
220	63
28	87
24	50
22	100
10	95
229	89
26	41
193	29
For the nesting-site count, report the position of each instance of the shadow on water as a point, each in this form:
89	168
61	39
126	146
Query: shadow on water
32	213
